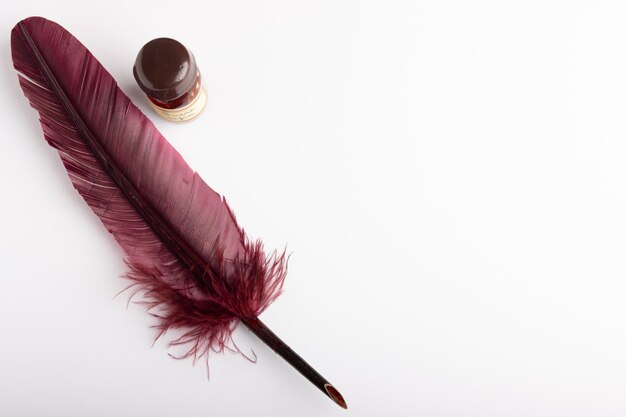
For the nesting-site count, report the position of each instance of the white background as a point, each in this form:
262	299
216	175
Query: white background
449	175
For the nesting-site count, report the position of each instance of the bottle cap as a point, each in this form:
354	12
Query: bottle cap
165	69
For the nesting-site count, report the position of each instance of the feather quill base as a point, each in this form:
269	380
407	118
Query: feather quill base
206	325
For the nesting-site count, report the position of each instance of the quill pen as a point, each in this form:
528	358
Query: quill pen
184	249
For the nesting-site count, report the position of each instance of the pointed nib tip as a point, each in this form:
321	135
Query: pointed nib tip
335	396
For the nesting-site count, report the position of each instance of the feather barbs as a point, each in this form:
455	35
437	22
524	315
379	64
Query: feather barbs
185	251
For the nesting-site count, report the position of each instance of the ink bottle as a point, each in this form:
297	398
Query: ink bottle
167	72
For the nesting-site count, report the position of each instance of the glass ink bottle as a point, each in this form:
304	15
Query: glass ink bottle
167	72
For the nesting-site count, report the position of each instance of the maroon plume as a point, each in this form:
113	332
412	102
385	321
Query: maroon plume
185	251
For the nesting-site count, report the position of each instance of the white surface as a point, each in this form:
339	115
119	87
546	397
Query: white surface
450	177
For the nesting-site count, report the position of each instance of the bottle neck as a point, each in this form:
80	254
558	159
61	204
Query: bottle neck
182	100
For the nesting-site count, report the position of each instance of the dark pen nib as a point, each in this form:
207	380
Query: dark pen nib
335	396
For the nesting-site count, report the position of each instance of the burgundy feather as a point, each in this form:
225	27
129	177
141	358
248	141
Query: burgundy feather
185	251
